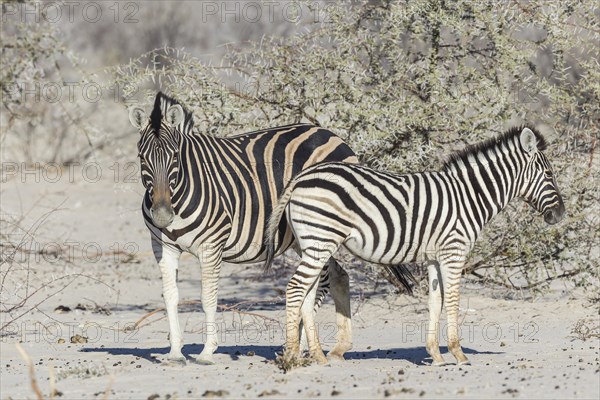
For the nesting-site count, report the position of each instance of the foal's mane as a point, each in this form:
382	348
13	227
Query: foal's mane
505	138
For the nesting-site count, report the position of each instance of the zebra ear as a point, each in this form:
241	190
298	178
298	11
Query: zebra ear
528	140
137	116
175	115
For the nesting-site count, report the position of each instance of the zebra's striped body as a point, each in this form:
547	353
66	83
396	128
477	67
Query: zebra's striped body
212	197
432	217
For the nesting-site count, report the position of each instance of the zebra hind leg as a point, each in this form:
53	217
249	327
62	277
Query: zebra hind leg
452	300
340	291
310	329
298	288
436	300
322	290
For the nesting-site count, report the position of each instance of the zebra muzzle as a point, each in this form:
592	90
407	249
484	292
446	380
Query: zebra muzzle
162	215
555	214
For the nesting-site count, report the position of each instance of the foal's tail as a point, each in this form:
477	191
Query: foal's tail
401	277
276	215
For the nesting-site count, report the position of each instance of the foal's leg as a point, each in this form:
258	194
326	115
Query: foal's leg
451	270
334	277
310	328
302	281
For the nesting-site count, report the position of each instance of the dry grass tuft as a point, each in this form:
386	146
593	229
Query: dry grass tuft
287	361
584	330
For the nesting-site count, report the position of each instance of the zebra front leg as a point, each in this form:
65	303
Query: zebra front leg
451	274
436	301
340	291
168	261
210	260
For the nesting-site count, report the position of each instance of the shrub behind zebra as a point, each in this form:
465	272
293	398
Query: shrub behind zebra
212	197
429	217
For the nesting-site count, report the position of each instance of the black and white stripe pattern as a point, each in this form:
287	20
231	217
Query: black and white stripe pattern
432	217
212	197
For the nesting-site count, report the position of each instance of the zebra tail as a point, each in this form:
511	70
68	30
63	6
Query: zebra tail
273	224
401	277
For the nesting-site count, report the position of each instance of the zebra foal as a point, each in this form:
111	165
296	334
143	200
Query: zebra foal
212	197
431	217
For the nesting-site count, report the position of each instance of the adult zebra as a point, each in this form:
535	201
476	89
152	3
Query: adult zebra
433	217
212	197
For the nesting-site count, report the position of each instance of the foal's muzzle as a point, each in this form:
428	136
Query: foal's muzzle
555	214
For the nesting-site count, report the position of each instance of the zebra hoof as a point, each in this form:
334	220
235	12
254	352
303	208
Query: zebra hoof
465	362
202	361
176	359
320	359
439	363
335	357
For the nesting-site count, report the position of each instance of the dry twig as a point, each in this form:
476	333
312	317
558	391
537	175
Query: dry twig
222	307
32	380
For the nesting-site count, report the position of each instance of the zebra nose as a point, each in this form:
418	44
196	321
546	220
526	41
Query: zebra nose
162	216
554	215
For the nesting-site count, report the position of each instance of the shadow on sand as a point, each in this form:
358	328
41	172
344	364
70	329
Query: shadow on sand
153	354
415	355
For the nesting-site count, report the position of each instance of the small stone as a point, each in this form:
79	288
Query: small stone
502	344
215	393
61	341
269	393
79	339
250	354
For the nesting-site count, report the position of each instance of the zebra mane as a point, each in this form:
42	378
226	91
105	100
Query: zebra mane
505	138
161	105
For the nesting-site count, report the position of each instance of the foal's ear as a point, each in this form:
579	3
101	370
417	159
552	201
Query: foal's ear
528	141
175	115
137	116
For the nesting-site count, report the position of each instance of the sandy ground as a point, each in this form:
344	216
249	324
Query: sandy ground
518	348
